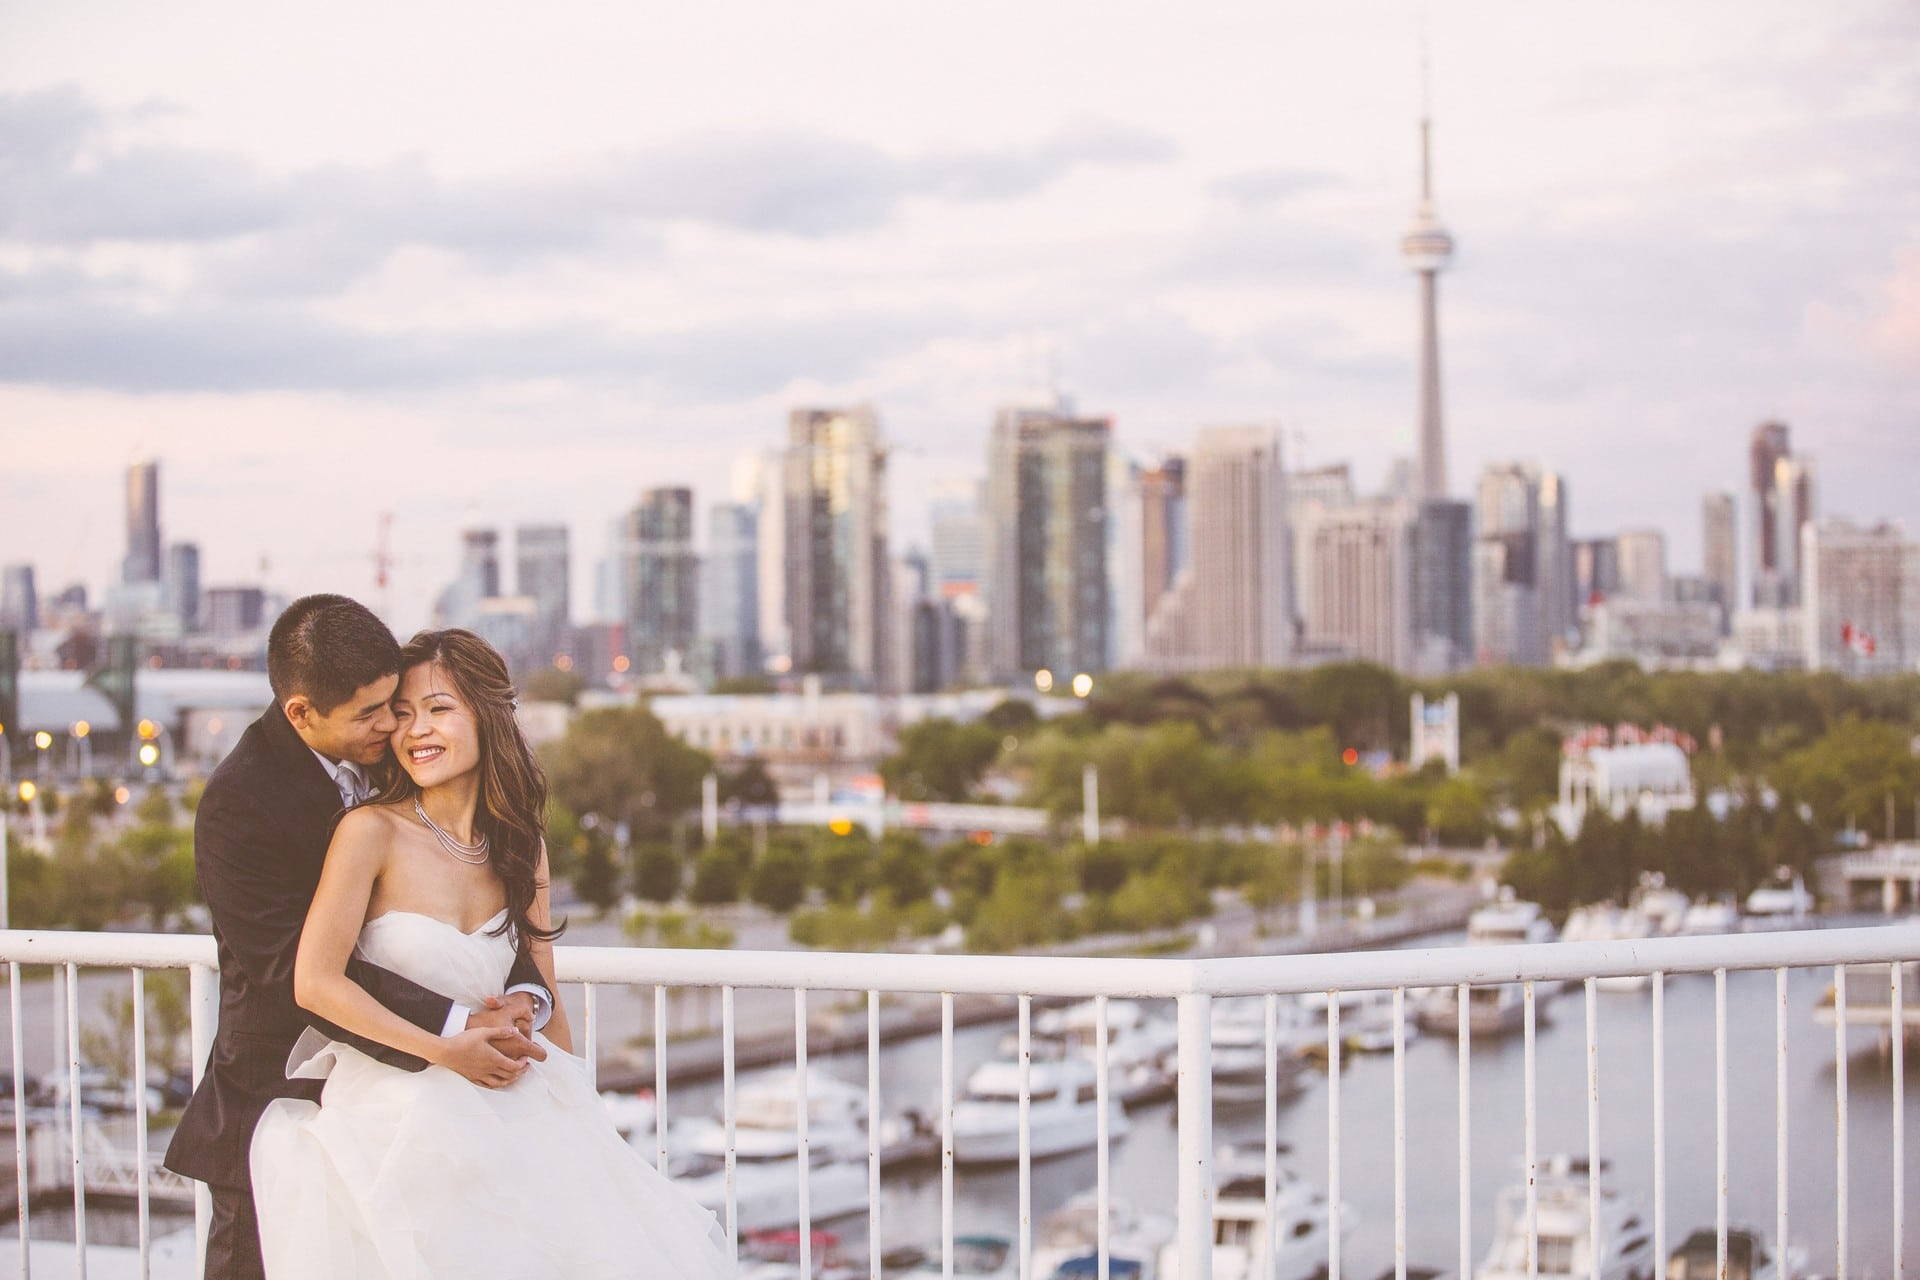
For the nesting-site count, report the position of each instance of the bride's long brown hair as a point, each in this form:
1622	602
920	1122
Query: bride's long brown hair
513	789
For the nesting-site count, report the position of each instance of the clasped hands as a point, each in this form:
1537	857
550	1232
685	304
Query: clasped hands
498	1043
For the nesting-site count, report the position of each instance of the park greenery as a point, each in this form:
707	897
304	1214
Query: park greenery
1222	781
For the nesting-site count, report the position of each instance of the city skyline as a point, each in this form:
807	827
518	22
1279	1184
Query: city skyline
1623	287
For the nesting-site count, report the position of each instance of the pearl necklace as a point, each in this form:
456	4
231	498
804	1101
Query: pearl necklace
473	855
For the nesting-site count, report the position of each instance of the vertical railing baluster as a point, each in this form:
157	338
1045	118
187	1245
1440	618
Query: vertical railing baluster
660	1160
873	1135
19	1112
1103	1137
1840	1121
1659	1118
1593	1125
1720	1122
1780	1115
142	1190
1898	1024
1333	1133
728	1119
1025	1020
1532	1152
800	1119
1194	1119
590	1014
1271	1038
203	1014
1399	1133
73	1112
1465	1073
946	1135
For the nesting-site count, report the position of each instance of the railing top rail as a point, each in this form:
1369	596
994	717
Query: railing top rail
1077	976
1557	961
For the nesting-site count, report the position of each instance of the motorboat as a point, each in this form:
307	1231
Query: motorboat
836	1116
1249	1243
977	1256
1067	1242
1782	904
1623	1250
1508	920
1141	1046
1062	1113
1495	1010
1239	1046
766	1179
1604	922
1711	915
1663	908
1366	1019
1749	1257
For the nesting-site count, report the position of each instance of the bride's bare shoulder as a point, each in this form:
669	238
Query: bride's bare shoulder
369	822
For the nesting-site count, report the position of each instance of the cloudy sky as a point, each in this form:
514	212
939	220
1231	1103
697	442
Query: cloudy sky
482	263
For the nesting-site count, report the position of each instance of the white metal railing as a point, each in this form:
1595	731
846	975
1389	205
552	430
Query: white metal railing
1192	985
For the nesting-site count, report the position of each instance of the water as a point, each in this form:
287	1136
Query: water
1143	1162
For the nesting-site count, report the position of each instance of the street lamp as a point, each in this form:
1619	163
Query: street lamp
1082	685
80	749
1043	680
42	741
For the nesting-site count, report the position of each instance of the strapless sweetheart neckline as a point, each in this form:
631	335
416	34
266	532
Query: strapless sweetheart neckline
421	915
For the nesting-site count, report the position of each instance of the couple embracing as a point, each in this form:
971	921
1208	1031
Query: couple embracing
392	1091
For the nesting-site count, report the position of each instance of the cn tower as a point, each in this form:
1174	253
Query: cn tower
1428	248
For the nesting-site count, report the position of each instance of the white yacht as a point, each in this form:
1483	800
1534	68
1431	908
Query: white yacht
1067	1241
1712	915
1062	1114
1623	1251
1604	922
1749	1257
1663	908
1250	1244
1491	1010
836	1117
1141	1046
1366	1019
1782	904
1508	920
766	1180
1239	1049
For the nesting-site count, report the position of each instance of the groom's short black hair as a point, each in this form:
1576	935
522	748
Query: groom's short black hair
326	647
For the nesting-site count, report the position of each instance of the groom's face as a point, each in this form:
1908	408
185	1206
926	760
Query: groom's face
355	730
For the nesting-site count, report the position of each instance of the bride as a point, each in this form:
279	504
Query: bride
398	1174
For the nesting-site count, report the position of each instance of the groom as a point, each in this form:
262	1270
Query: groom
260	836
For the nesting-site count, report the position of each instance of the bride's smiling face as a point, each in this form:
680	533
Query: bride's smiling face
438	738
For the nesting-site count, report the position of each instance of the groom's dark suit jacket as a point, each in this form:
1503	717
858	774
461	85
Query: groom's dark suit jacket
260	836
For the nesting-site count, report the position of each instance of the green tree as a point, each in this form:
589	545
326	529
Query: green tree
779	880
657	871
842	866
719	874
940	760
622	764
904	870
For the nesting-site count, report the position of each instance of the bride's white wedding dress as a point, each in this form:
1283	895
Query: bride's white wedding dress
402	1175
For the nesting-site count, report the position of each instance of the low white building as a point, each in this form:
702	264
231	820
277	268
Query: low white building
1651	779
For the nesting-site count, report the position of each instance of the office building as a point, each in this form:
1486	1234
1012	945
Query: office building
839	569
142	562
1356	570
1048	601
19	598
730	590
1782	498
1642	556
183	584
1234	596
1861	601
660	580
1720	549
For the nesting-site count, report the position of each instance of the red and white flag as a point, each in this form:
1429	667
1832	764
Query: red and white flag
1861	642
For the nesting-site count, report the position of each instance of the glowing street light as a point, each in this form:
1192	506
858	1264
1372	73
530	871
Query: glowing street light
1043	680
43	740
1082	685
28	791
81	728
149	754
148	731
